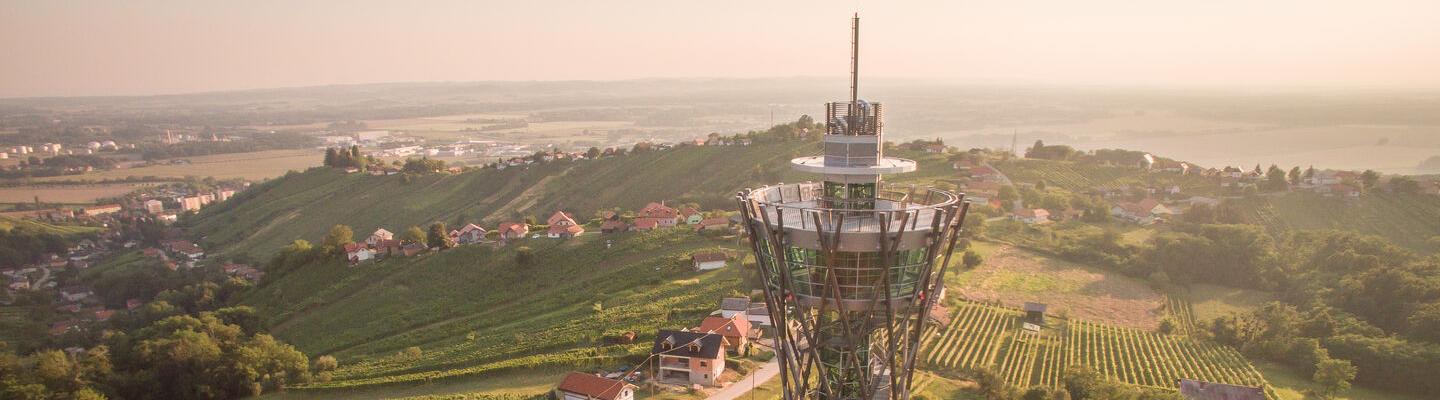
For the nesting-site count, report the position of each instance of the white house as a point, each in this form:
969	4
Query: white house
709	260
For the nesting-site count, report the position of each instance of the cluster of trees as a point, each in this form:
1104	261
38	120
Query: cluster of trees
346	158
34	166
22	245
1052	152
182	356
423	165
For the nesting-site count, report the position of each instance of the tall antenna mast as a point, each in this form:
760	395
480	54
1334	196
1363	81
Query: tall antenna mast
855	59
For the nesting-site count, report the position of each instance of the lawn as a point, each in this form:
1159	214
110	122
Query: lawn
252	166
1014	276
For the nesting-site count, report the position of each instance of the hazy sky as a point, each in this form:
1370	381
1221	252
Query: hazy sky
71	48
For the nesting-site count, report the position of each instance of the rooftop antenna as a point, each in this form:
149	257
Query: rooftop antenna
855	59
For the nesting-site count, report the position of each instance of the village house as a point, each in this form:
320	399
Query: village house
656	215
191	203
735	330
732	306
582	386
614	226
74	293
390	247
563	226
513	230
410	250
713	224
470	234
708	260
691	216
689	357
357	253
186	249
1144	212
132	304
100	210
19	283
1032	215
379	235
985	173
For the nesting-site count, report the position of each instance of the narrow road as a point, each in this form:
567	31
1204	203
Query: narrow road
743	386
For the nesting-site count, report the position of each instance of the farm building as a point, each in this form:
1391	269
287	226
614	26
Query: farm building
582	386
1035	313
1198	390
708	260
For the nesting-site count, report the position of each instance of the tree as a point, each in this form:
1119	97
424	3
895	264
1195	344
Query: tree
1008	194
1295	175
1369	178
972	259
339	236
330	156
1333	376
593	153
413	235
1310	172
1275	179
438	237
325	363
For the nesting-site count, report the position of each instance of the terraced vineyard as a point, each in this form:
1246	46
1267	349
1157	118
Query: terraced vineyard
1407	220
987	336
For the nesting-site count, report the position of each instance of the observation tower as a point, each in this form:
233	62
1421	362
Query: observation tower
849	264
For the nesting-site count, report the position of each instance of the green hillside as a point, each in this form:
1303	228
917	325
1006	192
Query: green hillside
474	309
304	205
1081	177
1407	220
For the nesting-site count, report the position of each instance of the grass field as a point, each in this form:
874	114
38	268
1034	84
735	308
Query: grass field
1291	385
17	328
1406	220
67	194
473	311
1214	301
252	166
521	382
1014	276
989	336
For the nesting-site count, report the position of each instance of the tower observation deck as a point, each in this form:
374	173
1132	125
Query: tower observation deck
850	264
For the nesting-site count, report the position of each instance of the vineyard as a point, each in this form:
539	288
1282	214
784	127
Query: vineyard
988	336
1405	219
1182	314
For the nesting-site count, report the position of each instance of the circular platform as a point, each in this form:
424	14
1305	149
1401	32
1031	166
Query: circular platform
887	165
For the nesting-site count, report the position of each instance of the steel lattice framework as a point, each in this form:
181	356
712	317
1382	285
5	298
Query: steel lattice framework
850	265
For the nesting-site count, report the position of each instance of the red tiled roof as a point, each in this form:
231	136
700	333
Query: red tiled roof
715	221
657	210
592	386
737	325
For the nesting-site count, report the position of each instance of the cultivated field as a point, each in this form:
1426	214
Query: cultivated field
252	166
1213	301
988	336
1013	276
65	194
